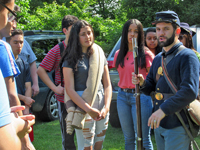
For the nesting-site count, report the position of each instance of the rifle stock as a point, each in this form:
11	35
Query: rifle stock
137	96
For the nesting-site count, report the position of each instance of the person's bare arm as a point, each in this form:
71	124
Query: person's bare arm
34	77
45	78
69	86
22	124
12	93
107	92
27	98
9	135
12	132
28	91
28	94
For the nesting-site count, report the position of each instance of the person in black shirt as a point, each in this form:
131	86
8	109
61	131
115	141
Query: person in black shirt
23	80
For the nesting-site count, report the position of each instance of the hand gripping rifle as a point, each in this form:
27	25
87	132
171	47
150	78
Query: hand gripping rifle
137	96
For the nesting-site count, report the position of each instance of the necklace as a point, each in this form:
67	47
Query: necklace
128	56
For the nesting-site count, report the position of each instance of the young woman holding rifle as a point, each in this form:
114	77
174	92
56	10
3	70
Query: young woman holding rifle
126	101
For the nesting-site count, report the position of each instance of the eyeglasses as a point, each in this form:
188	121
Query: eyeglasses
11	14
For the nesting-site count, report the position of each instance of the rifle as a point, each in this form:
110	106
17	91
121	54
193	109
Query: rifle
137	97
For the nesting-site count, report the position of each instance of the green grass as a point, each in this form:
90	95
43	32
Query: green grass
47	136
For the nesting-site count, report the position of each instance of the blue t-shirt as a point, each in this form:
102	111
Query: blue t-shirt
8	65
4	103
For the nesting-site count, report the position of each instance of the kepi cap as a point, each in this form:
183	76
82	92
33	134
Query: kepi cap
167	16
185	27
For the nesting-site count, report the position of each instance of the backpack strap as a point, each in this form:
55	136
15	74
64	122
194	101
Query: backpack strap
61	46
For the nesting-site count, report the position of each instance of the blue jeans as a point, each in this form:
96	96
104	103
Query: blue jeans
168	139
126	107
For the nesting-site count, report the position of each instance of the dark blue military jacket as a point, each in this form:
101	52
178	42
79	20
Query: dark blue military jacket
184	71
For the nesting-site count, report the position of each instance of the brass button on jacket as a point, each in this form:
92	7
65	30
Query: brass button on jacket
159	96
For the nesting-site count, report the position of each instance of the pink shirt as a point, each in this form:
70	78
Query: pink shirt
125	73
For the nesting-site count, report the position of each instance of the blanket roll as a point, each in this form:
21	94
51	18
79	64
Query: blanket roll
76	116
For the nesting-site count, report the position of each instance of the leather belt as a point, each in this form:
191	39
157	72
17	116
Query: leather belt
128	90
162	96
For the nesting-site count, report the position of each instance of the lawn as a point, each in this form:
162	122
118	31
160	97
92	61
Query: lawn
47	136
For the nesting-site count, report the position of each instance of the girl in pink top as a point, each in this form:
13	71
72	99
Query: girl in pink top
126	102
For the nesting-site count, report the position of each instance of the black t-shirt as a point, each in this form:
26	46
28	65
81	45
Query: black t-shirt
81	73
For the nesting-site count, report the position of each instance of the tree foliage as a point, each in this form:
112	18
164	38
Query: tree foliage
144	10
106	16
49	17
24	7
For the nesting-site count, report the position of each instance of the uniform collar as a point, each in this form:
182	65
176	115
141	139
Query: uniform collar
172	50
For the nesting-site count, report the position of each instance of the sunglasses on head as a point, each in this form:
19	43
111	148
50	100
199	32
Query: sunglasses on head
11	15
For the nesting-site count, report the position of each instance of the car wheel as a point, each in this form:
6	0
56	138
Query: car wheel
50	109
114	118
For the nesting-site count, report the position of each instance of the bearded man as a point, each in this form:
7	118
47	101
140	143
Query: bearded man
182	66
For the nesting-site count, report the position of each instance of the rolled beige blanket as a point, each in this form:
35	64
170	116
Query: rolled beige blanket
70	107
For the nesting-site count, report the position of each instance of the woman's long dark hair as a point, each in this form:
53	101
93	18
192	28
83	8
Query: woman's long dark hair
188	36
158	48
73	51
124	44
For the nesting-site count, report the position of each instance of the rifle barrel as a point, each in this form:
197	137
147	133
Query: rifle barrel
137	97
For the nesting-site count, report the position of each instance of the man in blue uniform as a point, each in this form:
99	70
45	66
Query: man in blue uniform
183	69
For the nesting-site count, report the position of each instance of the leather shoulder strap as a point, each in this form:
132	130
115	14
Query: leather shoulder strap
169	58
167	77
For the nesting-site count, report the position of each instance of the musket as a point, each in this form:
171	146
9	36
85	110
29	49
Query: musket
137	97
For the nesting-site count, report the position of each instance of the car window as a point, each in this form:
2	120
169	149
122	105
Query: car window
41	47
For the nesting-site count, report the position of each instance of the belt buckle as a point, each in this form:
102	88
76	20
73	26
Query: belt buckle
159	96
125	90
